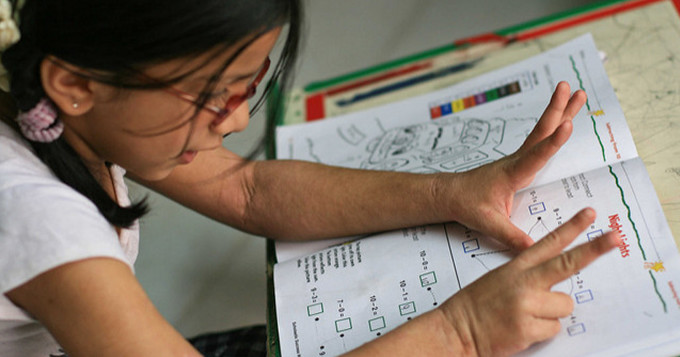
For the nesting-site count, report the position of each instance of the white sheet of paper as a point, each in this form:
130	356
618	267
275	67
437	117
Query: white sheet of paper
336	299
402	136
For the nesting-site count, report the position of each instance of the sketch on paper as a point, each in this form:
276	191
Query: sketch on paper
451	144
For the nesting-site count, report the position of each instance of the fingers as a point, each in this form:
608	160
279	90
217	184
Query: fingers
560	109
554	243
552	116
576	102
567	264
547	308
537	156
512	236
551	132
543	329
553	305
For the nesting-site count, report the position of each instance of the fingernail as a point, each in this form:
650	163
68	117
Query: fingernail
589	212
617	238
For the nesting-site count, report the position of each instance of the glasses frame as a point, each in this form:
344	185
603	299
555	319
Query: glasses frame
233	102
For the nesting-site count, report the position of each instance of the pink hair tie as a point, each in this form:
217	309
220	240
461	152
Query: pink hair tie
41	123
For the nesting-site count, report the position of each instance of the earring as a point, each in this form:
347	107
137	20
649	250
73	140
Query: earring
75	105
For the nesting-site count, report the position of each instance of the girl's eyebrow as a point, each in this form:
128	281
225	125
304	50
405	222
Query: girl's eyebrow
230	78
199	82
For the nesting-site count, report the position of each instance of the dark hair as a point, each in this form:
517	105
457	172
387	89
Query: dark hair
116	39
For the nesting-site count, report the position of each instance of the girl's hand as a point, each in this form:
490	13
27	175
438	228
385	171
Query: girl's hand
512	307
484	195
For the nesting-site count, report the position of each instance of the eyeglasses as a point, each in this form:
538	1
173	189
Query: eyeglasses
232	102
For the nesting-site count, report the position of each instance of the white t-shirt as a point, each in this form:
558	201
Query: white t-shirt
44	224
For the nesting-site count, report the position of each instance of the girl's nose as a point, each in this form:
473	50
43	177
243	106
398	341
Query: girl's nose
235	122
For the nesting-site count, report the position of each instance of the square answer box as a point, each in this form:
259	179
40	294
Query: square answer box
343	324
407	308
314	309
376	323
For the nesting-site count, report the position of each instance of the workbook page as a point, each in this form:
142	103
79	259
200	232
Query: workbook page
475	122
471	124
336	299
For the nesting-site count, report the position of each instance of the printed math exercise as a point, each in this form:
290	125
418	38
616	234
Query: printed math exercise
332	299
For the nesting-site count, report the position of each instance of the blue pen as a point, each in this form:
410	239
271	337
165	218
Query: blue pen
408	82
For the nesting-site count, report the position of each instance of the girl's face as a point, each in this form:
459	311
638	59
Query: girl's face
150	132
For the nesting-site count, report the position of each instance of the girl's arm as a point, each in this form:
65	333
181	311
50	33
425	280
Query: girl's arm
506	310
299	200
96	307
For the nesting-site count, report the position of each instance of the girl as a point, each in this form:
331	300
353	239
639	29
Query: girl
102	88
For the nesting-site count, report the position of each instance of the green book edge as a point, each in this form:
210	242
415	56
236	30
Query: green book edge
273	348
274	119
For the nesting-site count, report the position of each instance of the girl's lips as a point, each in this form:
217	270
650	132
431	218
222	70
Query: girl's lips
188	156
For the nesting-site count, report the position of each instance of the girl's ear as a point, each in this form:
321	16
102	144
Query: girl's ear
71	93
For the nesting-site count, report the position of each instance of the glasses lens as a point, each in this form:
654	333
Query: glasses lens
234	101
230	103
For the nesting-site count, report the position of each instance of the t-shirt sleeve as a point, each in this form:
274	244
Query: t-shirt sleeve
44	224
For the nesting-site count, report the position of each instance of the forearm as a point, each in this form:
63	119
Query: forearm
96	307
300	200
430	334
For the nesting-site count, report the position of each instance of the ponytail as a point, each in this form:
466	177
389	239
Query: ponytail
23	63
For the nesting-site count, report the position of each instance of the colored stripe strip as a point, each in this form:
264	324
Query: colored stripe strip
458	105
514	87
446	109
484	38
315	86
315	107
469	102
491	95
379	78
551	19
503	91
609	11
435	112
506	34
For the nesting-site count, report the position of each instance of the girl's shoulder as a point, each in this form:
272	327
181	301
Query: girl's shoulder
44	222
17	159
29	187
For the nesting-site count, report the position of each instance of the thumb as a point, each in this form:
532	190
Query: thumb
506	232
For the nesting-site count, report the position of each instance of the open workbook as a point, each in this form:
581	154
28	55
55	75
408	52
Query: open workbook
333	296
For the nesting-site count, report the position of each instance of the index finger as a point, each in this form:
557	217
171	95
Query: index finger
562	107
567	264
556	241
536	157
